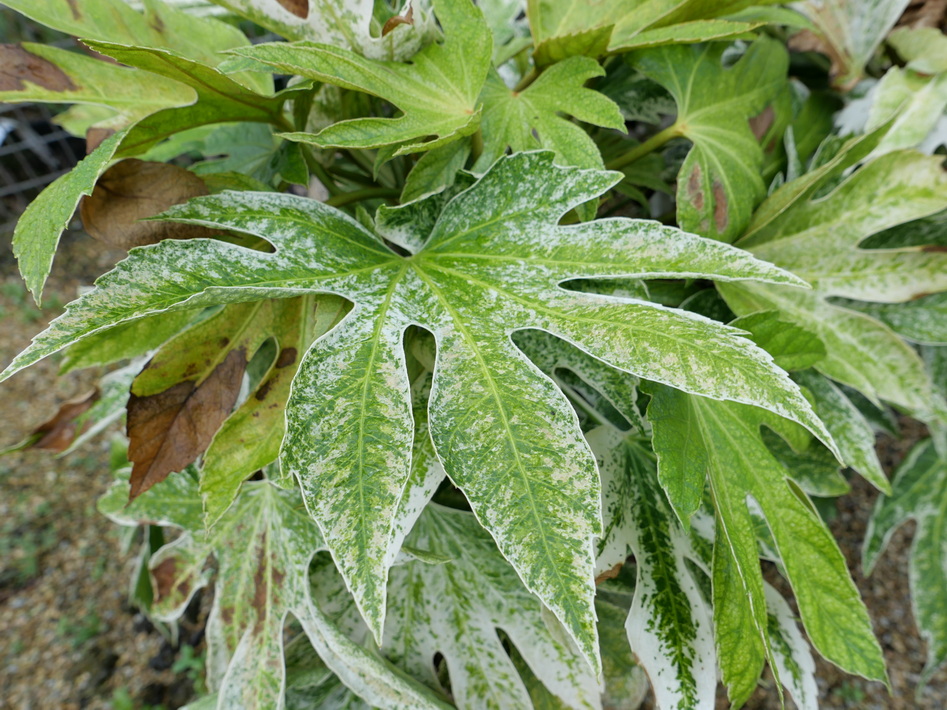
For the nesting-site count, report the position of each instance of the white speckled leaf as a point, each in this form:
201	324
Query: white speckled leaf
793	658
920	493
669	625
719	184
504	432
608	391
173	502
851	31
477	591
263	547
346	24
852	432
920	320
729	451
818	239
437	92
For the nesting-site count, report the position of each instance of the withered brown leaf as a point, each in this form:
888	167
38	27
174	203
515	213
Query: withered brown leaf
18	65
133	190
169	430
60	430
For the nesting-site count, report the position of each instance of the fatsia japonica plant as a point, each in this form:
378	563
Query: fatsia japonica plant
488	348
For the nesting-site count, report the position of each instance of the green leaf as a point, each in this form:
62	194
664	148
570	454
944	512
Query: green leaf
725	446
52	75
347	24
479	591
36	235
174	502
263	547
849	428
669	624
219	98
719	183
437	92
491	265
818	239
531	118
161	26
250	438
435	170
921	320
850	31
563	28
125	341
920	493
792	346
251	149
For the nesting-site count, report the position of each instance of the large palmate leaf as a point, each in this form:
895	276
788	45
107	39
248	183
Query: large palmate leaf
669	625
818	239
920	493
347	24
563	28
263	547
531	118
490	264
477	590
437	92
725	447
848	31
719	183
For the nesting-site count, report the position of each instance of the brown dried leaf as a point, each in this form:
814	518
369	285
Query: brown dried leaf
133	190
169	430
58	432
406	19
300	8
18	66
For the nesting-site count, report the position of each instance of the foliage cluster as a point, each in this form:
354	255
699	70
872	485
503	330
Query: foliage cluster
487	348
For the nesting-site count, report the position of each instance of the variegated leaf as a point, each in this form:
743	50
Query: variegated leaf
263	547
920	493
345	24
491	265
479	591
727	449
669	625
719	183
818	239
848	31
852	432
437	92
795	666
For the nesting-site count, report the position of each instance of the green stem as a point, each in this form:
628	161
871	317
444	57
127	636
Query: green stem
358	195
527	79
476	149
316	168
642	149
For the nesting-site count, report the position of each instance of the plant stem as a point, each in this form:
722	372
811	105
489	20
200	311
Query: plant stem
315	167
642	149
476	150
368	193
527	79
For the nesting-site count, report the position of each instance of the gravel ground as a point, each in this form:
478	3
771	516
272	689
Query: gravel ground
70	639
